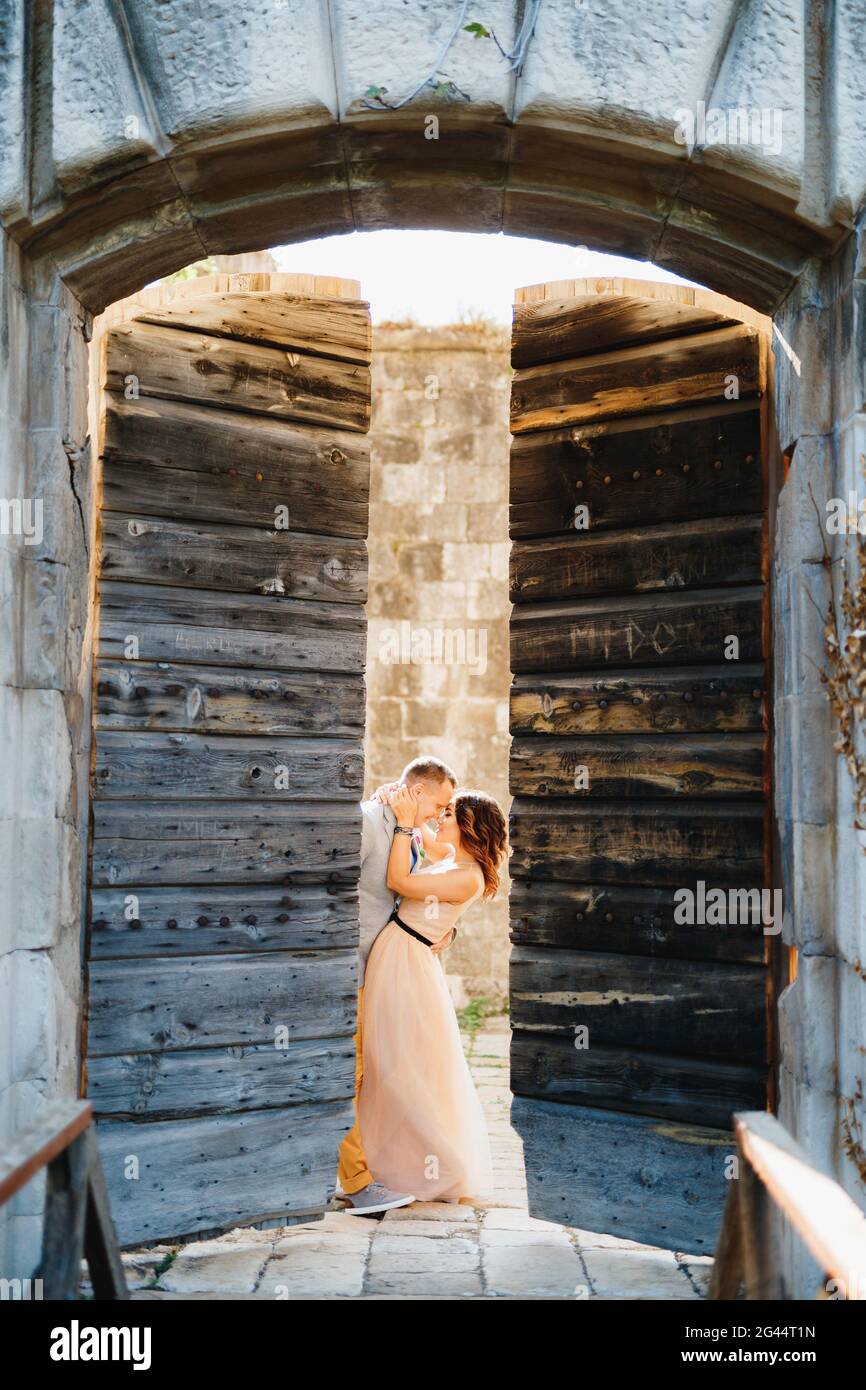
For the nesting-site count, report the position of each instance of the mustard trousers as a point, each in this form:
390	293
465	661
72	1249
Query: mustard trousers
352	1167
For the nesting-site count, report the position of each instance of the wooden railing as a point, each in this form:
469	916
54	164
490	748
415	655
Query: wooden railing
77	1221
778	1183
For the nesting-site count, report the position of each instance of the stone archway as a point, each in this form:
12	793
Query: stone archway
136	141
134	145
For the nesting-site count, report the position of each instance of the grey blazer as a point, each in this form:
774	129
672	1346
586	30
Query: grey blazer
375	899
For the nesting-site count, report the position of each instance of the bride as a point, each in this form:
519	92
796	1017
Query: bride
421	1120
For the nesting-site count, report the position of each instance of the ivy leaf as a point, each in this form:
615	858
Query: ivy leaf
445	86
477	30
442	84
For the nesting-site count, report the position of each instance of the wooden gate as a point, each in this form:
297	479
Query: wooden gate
227	764
640	760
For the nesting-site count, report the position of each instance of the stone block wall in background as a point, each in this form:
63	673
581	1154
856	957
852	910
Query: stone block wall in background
439	545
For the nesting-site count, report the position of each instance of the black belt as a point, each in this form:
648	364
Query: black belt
411	930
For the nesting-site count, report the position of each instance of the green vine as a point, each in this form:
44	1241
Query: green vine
844	680
444	86
852	1133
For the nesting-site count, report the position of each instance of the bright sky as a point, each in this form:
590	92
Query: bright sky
442	277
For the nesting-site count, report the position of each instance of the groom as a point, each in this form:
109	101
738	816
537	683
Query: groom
435	784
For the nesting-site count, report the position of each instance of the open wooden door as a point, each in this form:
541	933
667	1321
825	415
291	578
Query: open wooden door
640	761
227	763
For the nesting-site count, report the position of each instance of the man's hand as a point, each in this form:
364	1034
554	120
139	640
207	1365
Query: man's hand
404	804
441	945
382	793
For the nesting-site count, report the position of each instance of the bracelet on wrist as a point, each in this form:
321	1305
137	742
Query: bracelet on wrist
404	830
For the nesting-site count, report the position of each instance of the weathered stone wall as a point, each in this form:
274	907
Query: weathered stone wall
821	386
44	708
439	572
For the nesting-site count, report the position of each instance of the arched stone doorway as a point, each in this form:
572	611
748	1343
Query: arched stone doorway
94	209
178	138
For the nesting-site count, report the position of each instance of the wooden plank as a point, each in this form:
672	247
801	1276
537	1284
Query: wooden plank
220	920
553	472
623	919
655	843
687	1008
104	1265
64	1218
761	1238
243	559
322	327
724	765
187	843
685	555
220	700
647	630
219	1001
206	370
164	458
276	283
638	1081
726	1274
696	700
619	286
219	1080
198	626
554	329
653	1180
157	766
208	1173
651	376
35	1145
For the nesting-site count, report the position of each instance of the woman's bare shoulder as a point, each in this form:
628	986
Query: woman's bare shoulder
464	880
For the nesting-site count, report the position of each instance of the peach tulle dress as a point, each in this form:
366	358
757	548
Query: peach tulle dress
422	1125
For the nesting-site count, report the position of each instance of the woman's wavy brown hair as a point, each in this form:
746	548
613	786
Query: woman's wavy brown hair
484	834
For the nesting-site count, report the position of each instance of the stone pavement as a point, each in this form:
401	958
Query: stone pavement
428	1250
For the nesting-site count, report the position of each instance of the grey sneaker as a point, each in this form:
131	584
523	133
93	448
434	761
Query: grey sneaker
373	1198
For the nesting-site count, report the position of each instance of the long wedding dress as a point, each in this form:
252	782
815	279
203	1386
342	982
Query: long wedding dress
422	1125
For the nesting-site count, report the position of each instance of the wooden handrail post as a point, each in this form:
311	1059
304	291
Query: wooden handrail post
778	1181
758	1235
77	1222
63	1220
727	1274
